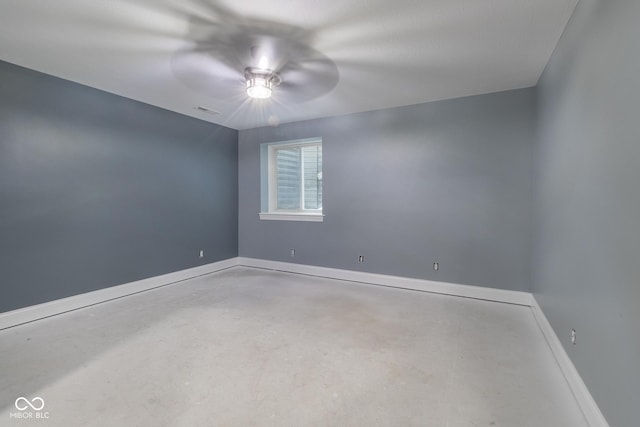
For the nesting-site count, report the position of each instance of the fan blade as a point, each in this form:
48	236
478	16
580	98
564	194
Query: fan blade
308	79
204	74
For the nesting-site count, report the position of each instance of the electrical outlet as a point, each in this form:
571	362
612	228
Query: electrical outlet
436	266
360	258
201	253
573	336
293	252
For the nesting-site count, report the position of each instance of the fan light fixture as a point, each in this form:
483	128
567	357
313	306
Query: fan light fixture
260	82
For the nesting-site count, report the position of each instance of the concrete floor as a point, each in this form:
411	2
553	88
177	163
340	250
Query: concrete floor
250	347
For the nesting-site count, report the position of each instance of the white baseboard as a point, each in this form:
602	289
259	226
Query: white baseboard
477	292
580	391
35	312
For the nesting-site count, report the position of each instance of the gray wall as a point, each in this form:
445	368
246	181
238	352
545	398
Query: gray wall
449	181
586	263
98	190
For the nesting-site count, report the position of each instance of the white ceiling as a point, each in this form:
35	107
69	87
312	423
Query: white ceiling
360	54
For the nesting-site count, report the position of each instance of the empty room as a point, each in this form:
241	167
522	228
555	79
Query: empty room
303	213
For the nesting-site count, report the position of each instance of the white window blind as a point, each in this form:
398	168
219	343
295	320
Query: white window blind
295	179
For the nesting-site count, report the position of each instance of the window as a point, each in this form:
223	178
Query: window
291	180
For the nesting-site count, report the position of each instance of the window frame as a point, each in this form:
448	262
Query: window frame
269	209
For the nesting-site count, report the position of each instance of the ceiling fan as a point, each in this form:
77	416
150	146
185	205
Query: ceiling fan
230	57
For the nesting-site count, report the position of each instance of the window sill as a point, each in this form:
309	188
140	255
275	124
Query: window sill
287	216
